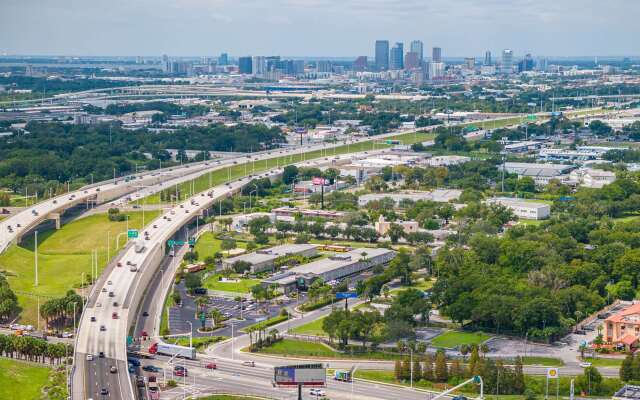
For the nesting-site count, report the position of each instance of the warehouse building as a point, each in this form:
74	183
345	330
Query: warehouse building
523	209
264	260
438	195
335	267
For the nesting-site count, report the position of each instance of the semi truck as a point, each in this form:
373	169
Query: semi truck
173	350
344	376
153	388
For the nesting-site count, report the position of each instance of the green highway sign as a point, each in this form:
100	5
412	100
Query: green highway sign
532	117
171	243
202	316
132	233
129	340
190	242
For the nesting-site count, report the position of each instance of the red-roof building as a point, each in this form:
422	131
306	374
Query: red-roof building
623	327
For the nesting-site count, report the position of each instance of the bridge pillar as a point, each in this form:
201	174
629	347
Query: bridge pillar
56	218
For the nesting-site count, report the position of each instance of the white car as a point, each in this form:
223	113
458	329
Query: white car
89	357
317	393
585	364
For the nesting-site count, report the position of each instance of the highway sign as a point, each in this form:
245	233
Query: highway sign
190	242
171	243
132	233
129	340
260	319
303	375
346	295
532	117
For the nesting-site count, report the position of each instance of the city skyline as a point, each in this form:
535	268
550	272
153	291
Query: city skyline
311	28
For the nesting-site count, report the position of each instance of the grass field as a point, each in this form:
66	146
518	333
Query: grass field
200	343
208	245
422	284
453	339
227	397
313	328
604	362
266	323
546	361
243	286
299	348
63	255
22	381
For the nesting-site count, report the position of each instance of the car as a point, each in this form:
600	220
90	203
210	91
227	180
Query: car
113	369
93	319
115	304
67	335
585	364
145	314
133	268
101	354
317	392
104	290
109	282
155	226
111	294
114	315
89	357
150	368
104	391
119	264
98	304
249	364
103	328
211	366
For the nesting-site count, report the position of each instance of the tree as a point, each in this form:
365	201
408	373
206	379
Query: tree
259	225
397	370
395	232
406	369
289	174
441	371
590	381
455	370
626	368
427	371
518	384
228	244
193	281
417	370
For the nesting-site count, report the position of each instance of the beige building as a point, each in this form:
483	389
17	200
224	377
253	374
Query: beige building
382	226
624	327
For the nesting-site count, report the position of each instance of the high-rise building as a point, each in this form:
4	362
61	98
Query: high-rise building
258	66
382	55
165	63
324	66
360	64
396	57
245	65
223	59
436	55
417	47
470	62
436	70
412	60
526	64
297	67
487	58
507	61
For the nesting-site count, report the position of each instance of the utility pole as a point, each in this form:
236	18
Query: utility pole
36	257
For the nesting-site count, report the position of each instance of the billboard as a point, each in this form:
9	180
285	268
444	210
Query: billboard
304	374
319	181
346	295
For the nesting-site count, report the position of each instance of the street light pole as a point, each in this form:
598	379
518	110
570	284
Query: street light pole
190	334
36	257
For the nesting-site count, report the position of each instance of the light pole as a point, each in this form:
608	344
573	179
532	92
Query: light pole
233	347
190	334
36	257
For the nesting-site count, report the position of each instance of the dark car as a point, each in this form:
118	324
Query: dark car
145	314
104	391
150	368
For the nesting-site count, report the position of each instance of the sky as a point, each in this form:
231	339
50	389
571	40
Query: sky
331	28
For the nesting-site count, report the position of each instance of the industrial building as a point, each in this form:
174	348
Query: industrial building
335	267
523	209
437	195
292	211
541	173
264	260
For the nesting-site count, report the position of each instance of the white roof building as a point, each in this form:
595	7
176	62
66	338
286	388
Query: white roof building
437	195
522	208
592	178
445	161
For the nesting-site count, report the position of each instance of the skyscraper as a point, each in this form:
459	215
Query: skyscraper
411	60
418	47
360	64
382	55
436	55
470	62
245	65
396	58
487	58
258	66
223	59
507	61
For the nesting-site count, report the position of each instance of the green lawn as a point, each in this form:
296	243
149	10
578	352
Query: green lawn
63	255
546	361
208	245
200	343
604	362
227	397
422	284
453	339
22	381
243	286
266	323
313	328
299	348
